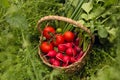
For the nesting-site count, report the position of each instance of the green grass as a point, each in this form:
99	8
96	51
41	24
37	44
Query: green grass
19	38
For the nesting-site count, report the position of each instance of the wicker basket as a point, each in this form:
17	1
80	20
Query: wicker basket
77	65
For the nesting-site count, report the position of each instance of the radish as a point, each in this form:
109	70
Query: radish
56	63
51	60
68	45
72	59
78	49
80	55
59	56
74	52
71	52
66	59
77	41
64	65
51	53
61	47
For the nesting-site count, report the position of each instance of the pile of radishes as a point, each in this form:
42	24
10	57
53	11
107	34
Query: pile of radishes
60	49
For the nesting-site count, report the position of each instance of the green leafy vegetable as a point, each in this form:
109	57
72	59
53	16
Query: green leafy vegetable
102	32
87	7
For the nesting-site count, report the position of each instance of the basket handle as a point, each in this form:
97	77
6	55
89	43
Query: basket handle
61	18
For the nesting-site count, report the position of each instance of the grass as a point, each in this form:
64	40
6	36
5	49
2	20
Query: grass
19	39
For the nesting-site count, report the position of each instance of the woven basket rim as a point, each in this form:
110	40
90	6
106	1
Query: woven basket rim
73	22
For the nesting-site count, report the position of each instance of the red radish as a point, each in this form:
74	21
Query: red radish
61	47
64	65
74	52
71	52
68	45
51	60
59	56
80	55
66	59
78	49
72	59
77	40
52	53
56	63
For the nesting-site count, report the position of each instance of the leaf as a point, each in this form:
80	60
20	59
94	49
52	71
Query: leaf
112	33
96	12
81	21
87	7
84	16
102	32
75	2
